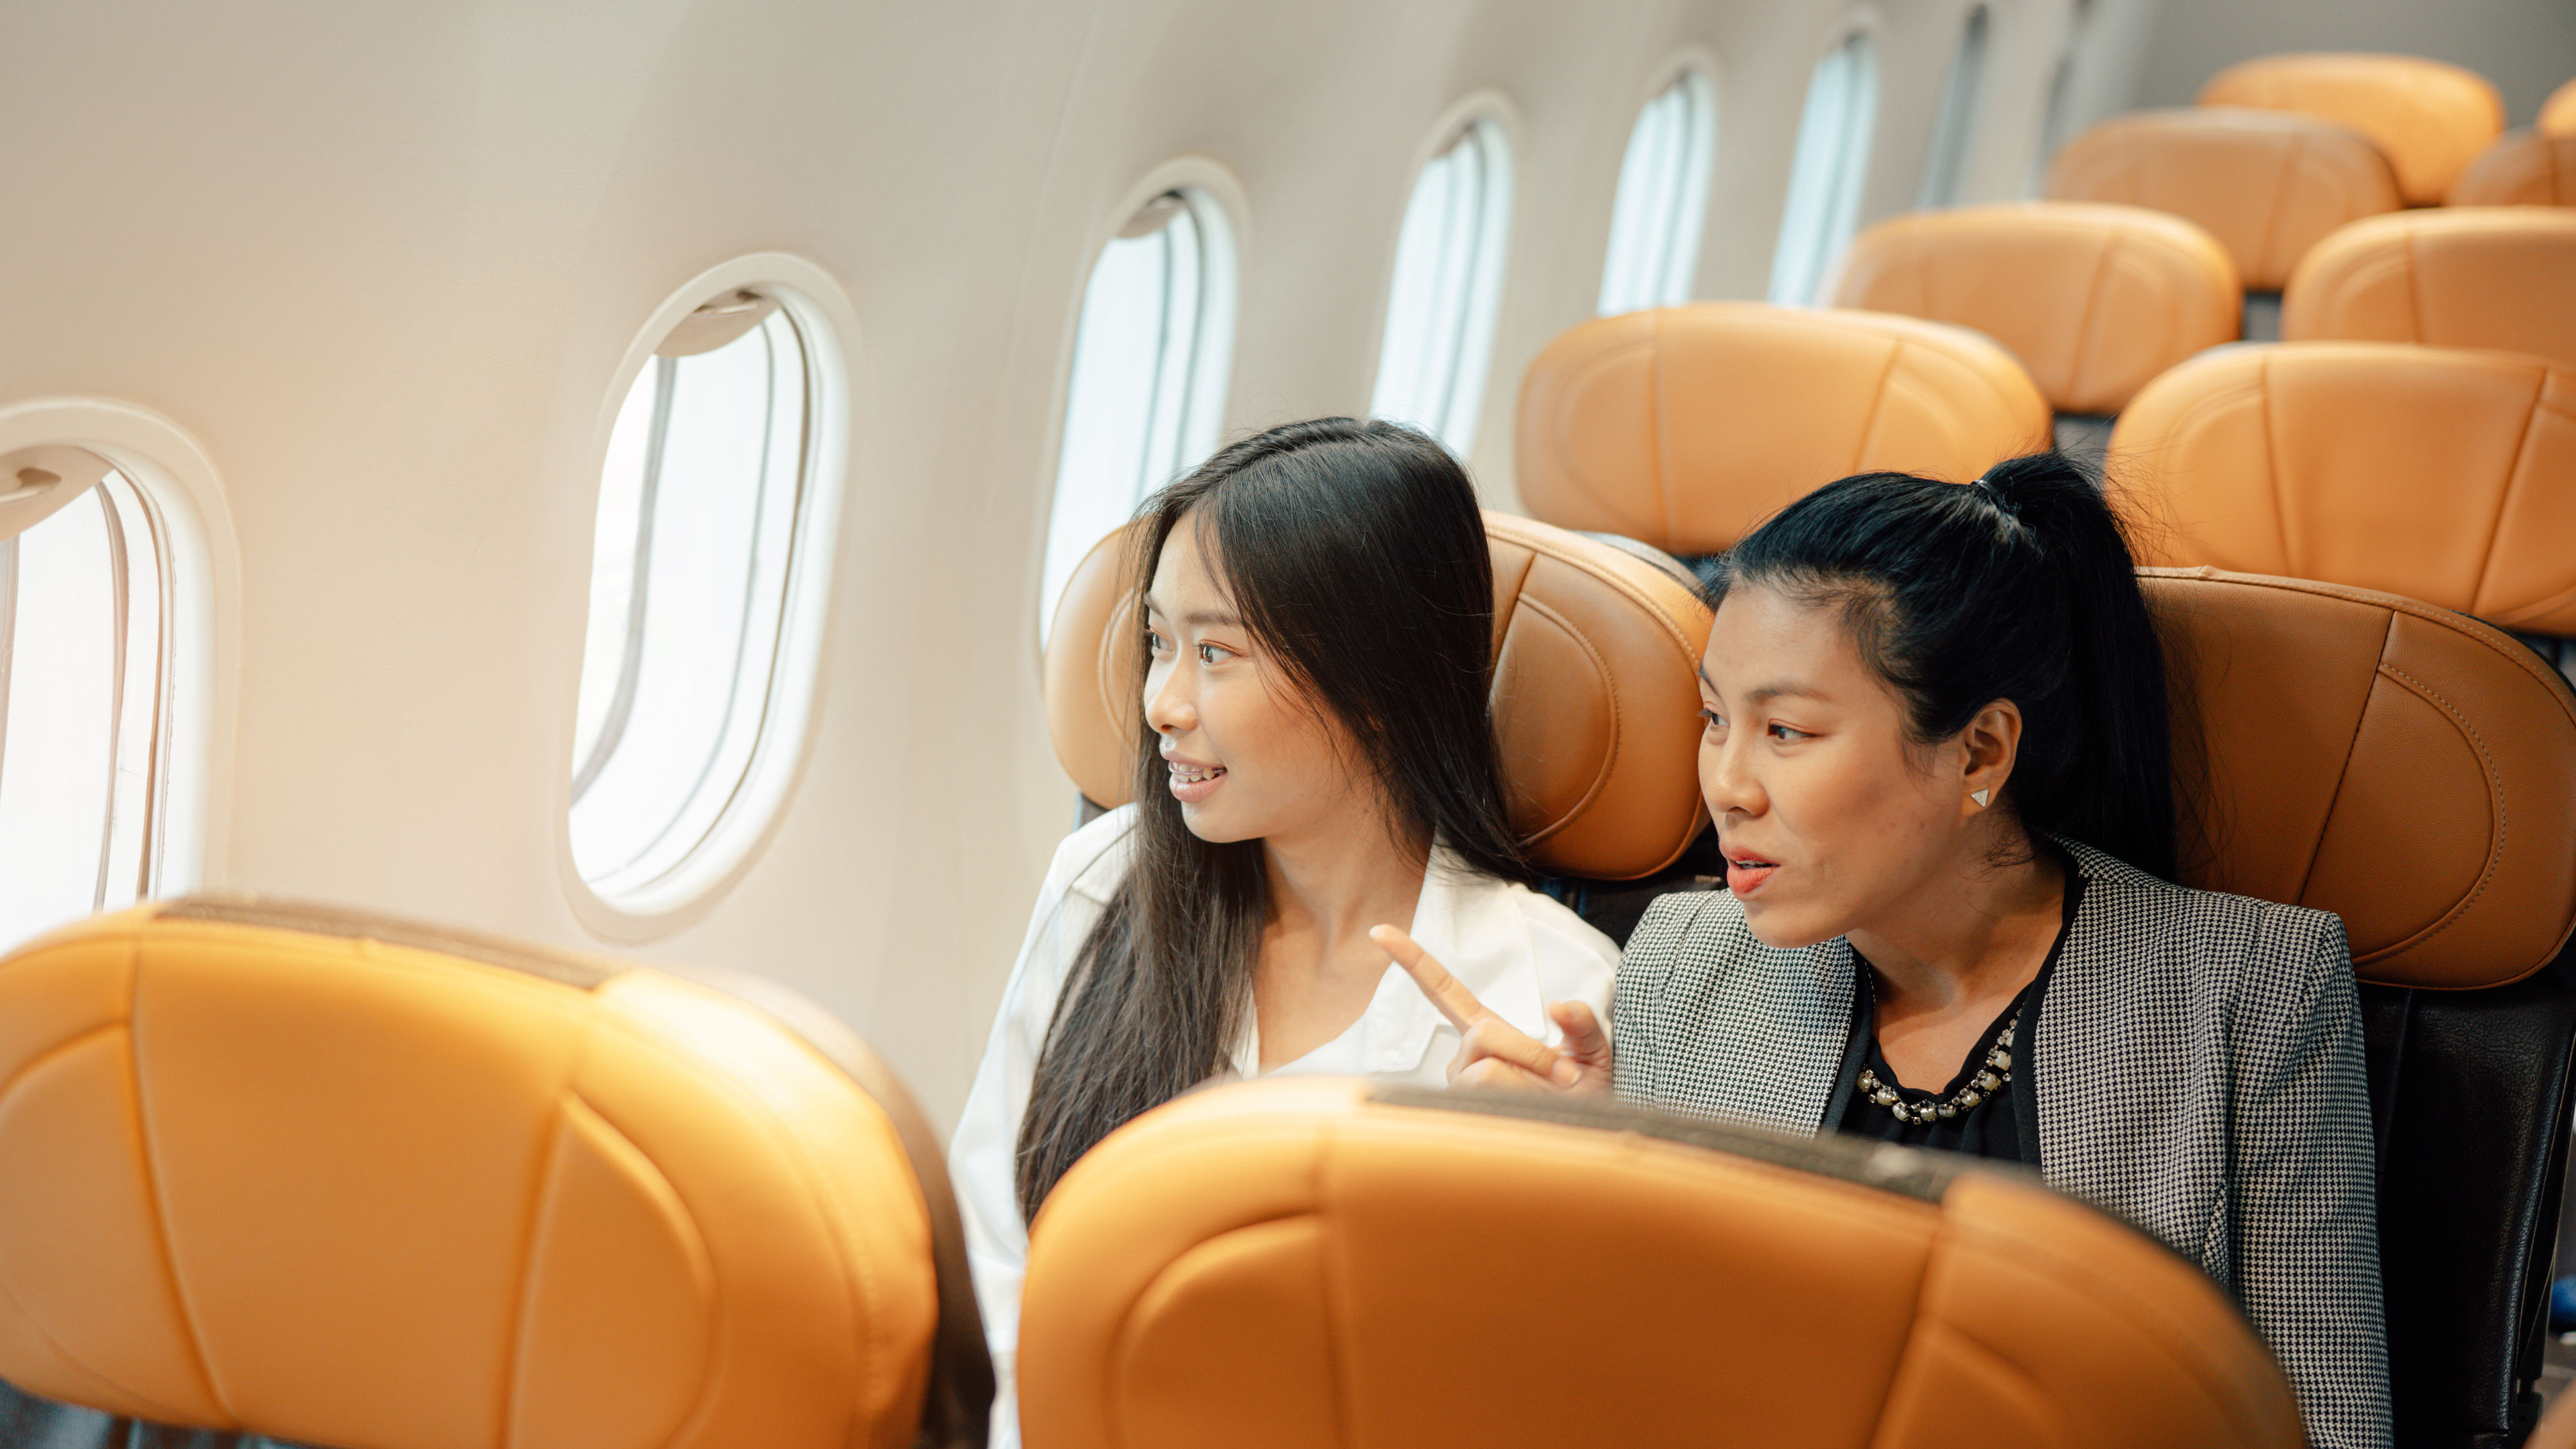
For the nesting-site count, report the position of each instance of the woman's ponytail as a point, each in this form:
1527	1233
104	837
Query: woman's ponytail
2021	586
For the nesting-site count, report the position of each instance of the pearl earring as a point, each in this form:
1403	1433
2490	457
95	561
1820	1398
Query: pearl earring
1980	797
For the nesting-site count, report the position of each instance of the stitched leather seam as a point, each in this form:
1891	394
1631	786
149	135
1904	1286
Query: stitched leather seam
2343	772
2495	800
2476	631
1610	759
2513	472
1539	543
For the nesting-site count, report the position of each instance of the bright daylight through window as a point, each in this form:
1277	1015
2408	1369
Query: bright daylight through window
1149	371
1958	120
1656	223
84	691
1825	177
1448	280
701	505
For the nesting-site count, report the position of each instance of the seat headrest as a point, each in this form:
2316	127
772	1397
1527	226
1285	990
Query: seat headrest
342	1181
2525	168
2428	118
2489	276
2444	475
2409	769
2094	299
2267	184
1264	1253
1685	426
2558	113
1595	700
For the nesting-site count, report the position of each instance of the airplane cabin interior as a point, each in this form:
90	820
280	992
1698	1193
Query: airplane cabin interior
717	718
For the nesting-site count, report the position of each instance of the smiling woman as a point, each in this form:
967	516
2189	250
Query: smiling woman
1316	758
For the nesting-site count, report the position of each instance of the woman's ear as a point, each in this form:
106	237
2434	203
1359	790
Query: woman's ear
1990	743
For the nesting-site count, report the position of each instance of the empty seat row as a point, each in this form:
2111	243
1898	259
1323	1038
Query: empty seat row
2283	150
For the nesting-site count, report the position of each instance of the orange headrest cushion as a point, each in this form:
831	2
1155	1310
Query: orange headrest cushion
2408	769
327	1180
1685	426
1266	1252
2558	113
2428	118
2093	299
2525	168
2267	184
2501	277
1595	703
2443	475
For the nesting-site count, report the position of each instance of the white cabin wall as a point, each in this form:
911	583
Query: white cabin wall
382	261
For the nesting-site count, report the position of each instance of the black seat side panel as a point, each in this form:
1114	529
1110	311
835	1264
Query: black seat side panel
2471	1092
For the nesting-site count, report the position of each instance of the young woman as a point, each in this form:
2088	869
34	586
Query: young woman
1317	757
1937	758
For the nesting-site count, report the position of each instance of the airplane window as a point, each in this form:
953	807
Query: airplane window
1824	180
1663	199
1958	119
1149	370
700	504
1448	281
84	690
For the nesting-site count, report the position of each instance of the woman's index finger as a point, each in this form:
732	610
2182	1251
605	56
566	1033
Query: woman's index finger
1446	992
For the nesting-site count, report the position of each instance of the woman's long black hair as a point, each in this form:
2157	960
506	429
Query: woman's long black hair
2021	587
1355	555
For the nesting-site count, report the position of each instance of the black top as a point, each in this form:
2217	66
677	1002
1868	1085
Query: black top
2002	1126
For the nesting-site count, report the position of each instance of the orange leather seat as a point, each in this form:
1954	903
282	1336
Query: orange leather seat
2427	117
2093	299
2267	184
347	1182
2524	168
2501	277
1685	426
1305	1263
2558	113
2447	476
1595	699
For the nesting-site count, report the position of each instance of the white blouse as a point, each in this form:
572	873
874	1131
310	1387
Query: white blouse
1515	949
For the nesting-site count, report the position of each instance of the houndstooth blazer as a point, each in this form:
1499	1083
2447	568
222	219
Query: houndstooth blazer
2197	1069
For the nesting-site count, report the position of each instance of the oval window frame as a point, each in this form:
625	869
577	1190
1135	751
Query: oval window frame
828	328
202	573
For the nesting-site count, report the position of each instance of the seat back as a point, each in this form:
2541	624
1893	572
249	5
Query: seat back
2413	771
2428	118
1310	1262
2266	184
2558	113
344	1181
2093	299
1594	699
2444	475
1685	426
2524	168
2494	277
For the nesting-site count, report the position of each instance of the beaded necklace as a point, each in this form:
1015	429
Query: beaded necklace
1998	1070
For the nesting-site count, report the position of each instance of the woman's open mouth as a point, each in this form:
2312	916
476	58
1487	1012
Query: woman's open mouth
1193	783
1746	873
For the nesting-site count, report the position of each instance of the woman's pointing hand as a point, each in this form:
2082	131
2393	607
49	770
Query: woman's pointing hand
1493	1052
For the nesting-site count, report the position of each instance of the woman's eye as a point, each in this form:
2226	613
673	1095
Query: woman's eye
1786	735
1154	643
1711	719
1214	654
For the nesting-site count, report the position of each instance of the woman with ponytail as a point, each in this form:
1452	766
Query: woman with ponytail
1316	756
1937	757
